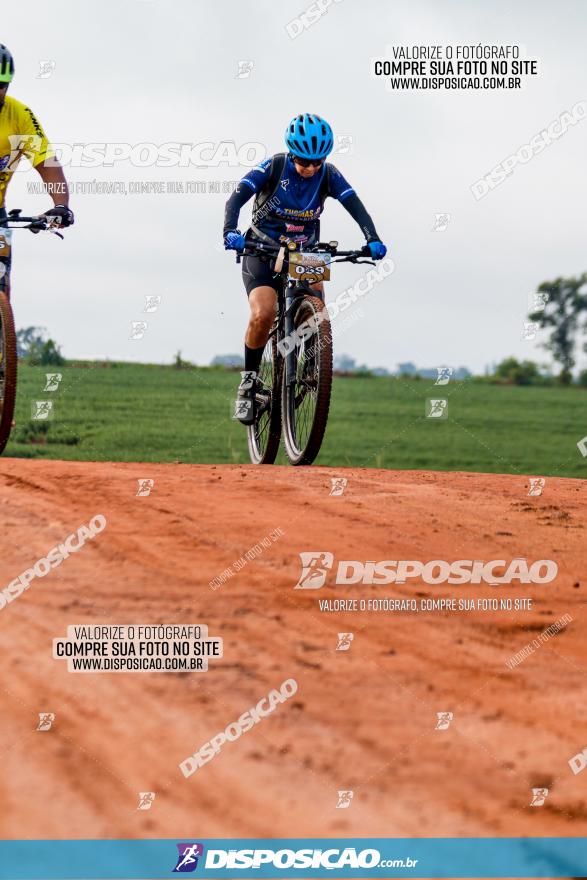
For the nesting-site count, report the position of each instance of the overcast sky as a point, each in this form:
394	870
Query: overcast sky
149	71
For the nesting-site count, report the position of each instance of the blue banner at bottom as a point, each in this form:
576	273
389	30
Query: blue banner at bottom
285	858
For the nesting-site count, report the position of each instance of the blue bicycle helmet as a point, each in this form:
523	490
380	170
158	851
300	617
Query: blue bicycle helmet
309	136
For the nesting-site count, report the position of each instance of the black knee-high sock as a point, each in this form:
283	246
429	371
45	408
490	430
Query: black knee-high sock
253	358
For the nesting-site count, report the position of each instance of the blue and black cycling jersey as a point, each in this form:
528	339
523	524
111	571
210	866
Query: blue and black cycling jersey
293	208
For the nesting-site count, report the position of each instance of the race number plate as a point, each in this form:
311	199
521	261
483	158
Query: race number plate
309	267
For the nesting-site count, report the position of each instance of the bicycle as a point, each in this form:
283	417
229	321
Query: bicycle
295	378
8	349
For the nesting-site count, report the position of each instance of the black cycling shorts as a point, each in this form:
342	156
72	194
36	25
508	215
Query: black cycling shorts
259	273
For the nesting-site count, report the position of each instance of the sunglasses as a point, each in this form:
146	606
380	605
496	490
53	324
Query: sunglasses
308	163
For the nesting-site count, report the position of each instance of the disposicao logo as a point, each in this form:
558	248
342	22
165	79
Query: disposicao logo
317	564
327	859
187	860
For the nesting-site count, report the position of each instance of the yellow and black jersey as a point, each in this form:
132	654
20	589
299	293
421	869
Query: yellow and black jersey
21	134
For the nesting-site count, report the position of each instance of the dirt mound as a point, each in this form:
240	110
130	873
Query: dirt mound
364	719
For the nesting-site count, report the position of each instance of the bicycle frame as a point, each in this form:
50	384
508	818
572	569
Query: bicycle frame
291	292
291	297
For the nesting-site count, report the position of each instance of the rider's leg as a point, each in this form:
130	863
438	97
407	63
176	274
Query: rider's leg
263	303
261	286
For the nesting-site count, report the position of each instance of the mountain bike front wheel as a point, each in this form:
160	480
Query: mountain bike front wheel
7	370
306	401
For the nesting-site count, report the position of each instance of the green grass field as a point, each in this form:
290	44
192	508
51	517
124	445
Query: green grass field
131	412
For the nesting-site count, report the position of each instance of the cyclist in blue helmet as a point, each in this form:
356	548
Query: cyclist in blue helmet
290	191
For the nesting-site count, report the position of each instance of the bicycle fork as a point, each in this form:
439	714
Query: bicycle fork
293	298
289	336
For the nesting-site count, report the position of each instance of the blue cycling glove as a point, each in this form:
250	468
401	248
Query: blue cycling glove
378	249
234	241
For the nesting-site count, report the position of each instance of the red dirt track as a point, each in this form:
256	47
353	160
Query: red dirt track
363	719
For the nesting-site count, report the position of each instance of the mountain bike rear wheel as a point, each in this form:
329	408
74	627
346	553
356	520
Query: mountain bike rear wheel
306	402
7	370
264	435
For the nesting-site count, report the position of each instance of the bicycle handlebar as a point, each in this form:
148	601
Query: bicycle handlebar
39	223
331	247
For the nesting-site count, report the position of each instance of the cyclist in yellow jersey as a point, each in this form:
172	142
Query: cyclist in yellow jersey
21	134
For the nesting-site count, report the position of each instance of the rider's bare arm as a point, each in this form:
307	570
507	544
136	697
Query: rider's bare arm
52	175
